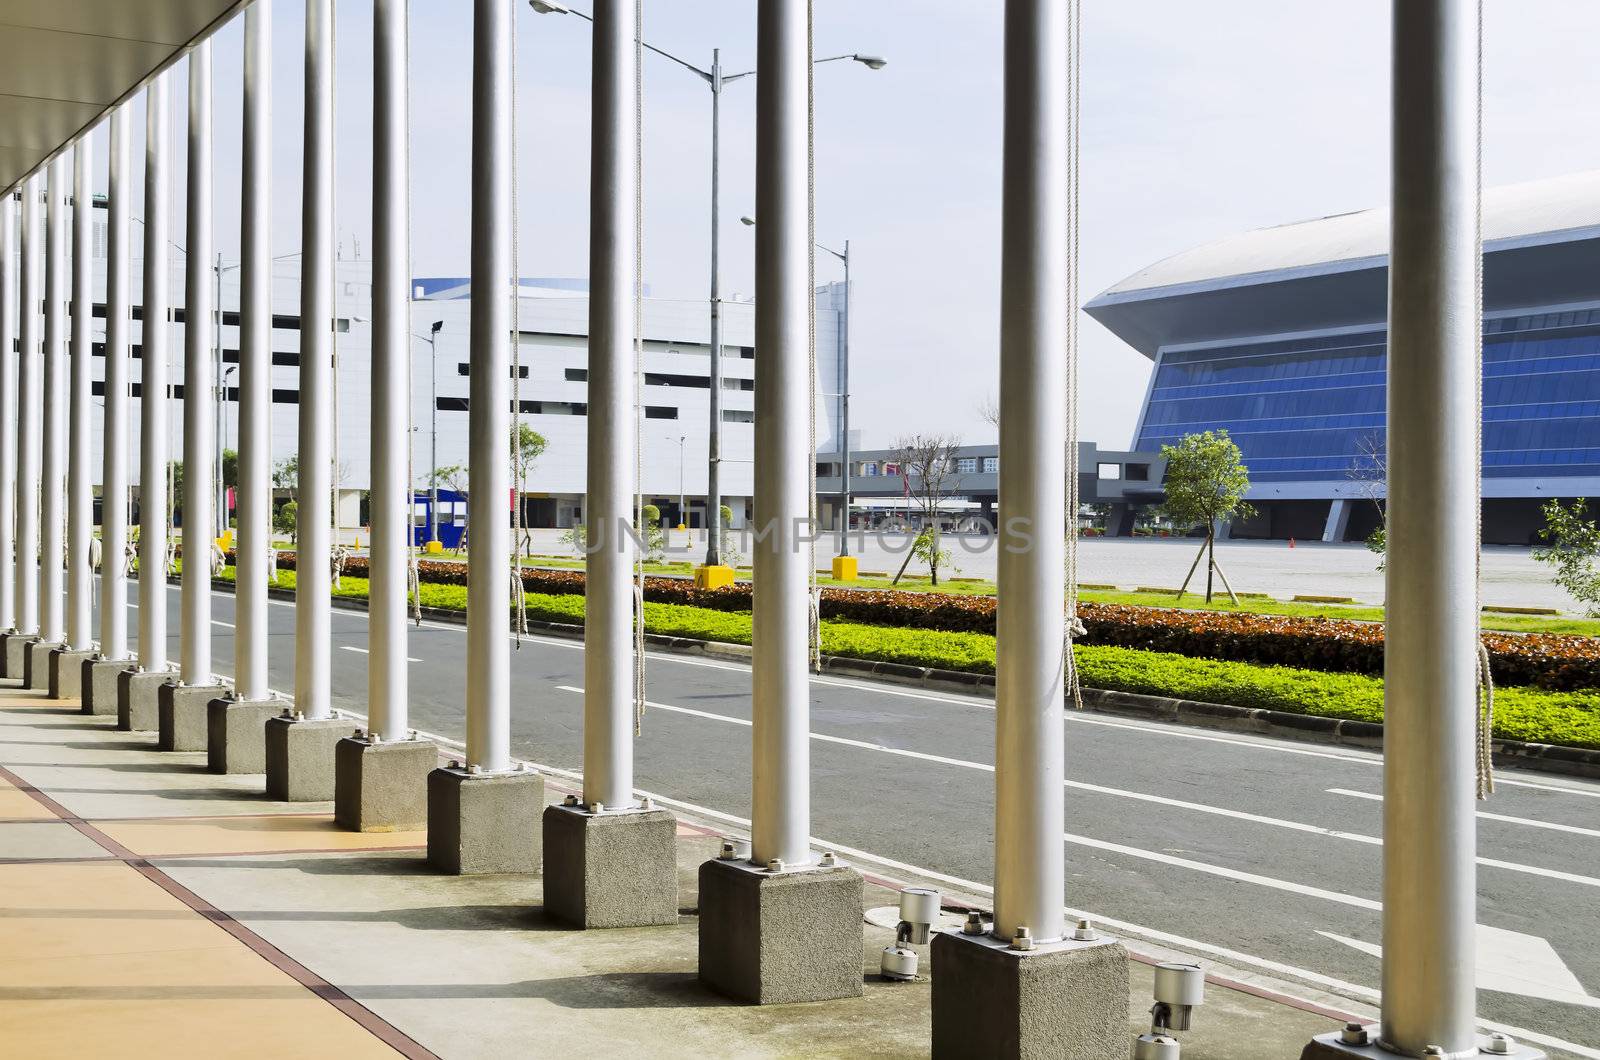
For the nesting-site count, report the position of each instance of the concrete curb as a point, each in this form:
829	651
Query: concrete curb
1540	757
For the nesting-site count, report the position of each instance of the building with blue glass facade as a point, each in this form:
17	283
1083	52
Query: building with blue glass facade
1278	335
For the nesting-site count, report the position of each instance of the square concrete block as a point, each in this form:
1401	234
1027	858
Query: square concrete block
236	734
137	702
1064	1000
65	679
300	757
97	685
12	650
36	665
181	723
485	823
773	938
610	869
1330	1046
382	787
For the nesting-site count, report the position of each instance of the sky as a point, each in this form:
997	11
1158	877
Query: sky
1199	121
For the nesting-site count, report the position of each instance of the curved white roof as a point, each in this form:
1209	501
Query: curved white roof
1511	213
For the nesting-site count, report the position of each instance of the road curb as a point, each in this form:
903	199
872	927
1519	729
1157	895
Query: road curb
1309	728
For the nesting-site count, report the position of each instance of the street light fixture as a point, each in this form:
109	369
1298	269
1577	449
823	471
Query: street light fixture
843	395
715	79
433	454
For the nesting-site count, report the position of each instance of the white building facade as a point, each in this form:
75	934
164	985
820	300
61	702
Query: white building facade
551	319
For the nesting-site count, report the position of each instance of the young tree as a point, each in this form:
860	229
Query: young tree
1206	483
1573	550
928	464
527	445
286	476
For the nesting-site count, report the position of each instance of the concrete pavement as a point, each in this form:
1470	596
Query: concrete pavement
1260	854
148	910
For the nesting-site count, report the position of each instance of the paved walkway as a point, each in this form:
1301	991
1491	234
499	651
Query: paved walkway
149	908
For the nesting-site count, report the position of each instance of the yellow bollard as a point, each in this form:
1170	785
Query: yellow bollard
845	568
717	577
433	548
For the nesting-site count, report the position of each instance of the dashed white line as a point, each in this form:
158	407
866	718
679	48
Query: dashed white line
1485	815
364	651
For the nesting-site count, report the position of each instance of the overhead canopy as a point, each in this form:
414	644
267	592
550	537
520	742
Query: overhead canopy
64	63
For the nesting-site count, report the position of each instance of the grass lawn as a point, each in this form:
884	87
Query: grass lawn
1521	713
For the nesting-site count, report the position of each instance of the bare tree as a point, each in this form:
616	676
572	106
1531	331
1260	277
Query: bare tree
1369	471
928	465
989	408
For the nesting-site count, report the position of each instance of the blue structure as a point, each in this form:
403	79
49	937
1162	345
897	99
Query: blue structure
1278	336
452	517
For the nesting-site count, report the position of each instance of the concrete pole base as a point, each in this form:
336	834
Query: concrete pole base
97	685
382	787
13	650
773	938
612	869
36	665
484	823
1061	999
300	757
137	699
1357	1040
65	678
181	716
236	734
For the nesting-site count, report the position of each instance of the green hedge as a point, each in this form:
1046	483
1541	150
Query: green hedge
1521	713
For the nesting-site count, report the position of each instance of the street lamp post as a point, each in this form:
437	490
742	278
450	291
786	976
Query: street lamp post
715	79
433	445
683	507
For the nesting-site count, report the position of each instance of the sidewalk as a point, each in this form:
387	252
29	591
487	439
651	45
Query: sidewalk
148	907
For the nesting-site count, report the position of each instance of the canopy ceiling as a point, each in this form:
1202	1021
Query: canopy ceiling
63	63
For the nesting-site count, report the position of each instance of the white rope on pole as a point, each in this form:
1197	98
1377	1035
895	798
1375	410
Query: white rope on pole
638	364
814	596
1485	707
519	598
1074	625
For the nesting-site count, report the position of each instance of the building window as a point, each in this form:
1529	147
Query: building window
738	416
738	384
663	379
890	468
660	412
966	465
870	469
991	465
1108	472
1136	472
463	368
450	404
577	375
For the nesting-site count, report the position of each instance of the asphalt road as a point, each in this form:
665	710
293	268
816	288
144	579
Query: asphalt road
1252	851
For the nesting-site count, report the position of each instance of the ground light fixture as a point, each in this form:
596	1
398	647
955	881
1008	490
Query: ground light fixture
1179	990
919	911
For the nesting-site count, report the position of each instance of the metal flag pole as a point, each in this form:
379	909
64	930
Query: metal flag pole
153	403
80	495
115	436
52	475
255	362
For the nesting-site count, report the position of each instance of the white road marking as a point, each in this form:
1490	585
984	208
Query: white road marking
1354	990
364	651
219	622
1511	963
1197	807
1486	815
